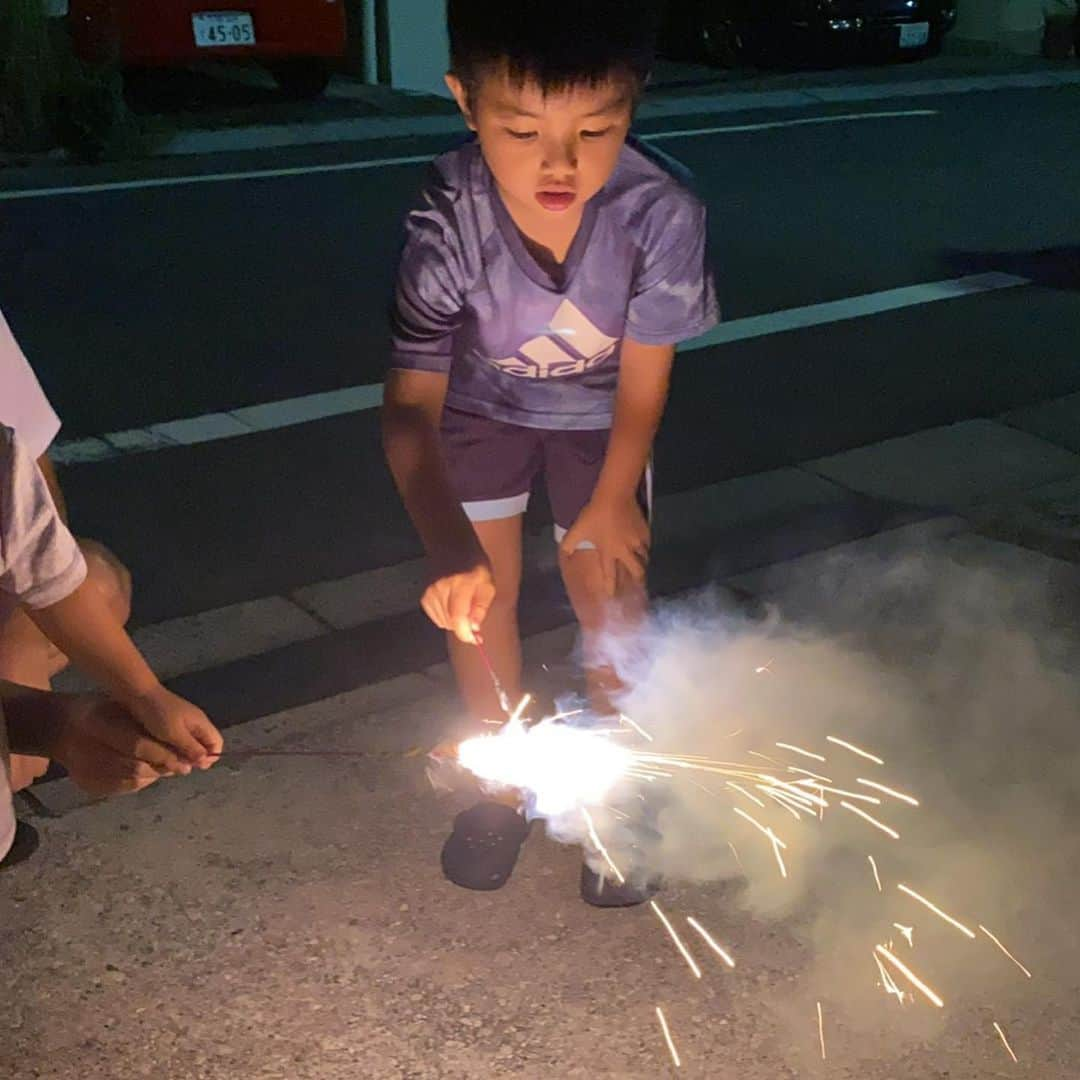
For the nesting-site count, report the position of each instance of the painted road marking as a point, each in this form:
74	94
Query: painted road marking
412	159
838	118
211	427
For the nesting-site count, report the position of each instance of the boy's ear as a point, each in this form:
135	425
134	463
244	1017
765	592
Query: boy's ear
457	88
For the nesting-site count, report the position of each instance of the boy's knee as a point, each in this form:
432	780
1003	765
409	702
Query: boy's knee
106	573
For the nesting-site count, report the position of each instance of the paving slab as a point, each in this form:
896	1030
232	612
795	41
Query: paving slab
1043	519
1056	421
780	579
717	508
953	466
372	594
218	636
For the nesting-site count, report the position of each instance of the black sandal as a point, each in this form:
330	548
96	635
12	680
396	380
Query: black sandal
482	850
601	891
22	847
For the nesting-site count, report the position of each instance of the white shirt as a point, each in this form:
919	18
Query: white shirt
23	404
40	564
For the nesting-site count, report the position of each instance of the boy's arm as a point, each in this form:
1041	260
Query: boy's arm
87	632
612	520
462	591
104	750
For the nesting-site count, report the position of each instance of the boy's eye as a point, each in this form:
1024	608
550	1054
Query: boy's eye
596	134
522	136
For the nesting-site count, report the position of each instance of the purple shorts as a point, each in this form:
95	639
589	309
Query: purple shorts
493	467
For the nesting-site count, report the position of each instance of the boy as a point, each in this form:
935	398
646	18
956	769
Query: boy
27	656
108	746
545	281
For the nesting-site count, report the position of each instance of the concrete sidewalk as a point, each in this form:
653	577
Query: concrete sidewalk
285	917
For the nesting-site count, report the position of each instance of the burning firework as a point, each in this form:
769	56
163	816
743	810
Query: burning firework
566	769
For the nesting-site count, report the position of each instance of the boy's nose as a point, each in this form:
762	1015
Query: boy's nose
560	157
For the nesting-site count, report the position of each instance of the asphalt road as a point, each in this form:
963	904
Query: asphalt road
148	305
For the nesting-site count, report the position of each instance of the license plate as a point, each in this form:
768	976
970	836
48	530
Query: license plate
220	29
912	35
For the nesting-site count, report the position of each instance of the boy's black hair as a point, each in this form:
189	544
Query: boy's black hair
556	46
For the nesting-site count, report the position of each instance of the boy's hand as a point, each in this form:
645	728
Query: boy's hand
459	602
183	726
104	749
618	530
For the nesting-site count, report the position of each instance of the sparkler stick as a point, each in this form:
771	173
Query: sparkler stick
667	1037
722	953
500	693
1005	1042
675	937
854	749
937	911
1004	950
877	876
821	1030
292	753
888	791
911	977
872	820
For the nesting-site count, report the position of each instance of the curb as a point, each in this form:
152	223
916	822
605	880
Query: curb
363	129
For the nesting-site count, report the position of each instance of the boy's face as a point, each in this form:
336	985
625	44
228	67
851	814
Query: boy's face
550	153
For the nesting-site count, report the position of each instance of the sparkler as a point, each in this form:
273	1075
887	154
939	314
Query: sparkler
872	820
877	876
686	955
799	750
1005	1042
911	977
888	791
937	911
1005	951
568	768
500	693
667	1037
708	939
854	749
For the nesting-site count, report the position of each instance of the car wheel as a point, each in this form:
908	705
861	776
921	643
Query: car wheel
301	79
721	42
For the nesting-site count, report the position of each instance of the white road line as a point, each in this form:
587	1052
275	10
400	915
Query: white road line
412	159
768	125
211	427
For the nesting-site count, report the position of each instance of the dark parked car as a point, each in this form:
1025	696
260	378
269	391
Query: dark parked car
726	31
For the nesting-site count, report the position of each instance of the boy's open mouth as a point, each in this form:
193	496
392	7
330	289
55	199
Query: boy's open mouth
555	200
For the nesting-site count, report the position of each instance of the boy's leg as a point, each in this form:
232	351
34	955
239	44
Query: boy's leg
501	541
572	464
600	616
27	657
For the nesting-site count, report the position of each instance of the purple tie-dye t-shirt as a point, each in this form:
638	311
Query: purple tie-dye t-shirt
520	348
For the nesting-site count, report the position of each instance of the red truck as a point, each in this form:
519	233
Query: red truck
294	39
